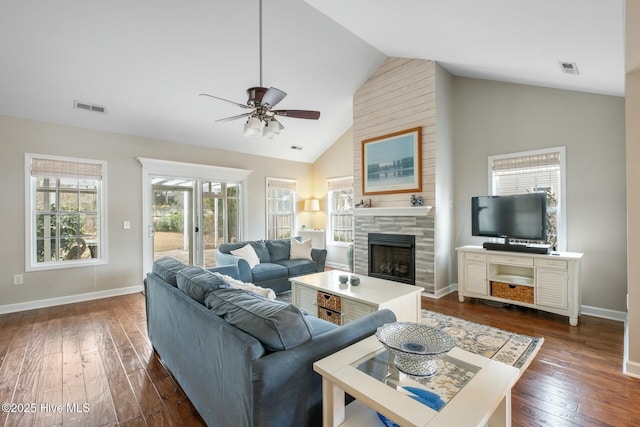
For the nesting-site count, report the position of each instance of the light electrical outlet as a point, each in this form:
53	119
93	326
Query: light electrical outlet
18	279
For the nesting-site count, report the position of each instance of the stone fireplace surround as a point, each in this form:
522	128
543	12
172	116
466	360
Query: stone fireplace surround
414	221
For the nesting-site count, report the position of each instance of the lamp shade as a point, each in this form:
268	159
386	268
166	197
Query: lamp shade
253	126
312	205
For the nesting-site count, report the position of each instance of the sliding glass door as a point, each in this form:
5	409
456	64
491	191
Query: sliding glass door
173	219
192	218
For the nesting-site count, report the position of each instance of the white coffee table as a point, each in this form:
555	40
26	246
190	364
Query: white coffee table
322	295
482	397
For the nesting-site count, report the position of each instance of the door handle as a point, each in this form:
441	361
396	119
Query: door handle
152	231
197	229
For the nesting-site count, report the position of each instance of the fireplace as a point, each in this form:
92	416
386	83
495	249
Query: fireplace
392	257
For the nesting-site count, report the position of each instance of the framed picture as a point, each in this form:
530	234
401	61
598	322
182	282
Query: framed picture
392	163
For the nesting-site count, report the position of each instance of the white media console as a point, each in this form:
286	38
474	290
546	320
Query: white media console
545	282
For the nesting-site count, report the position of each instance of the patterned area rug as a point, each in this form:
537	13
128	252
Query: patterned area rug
493	343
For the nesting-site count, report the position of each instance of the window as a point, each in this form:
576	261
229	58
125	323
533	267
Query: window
281	202
65	207
340	209
534	171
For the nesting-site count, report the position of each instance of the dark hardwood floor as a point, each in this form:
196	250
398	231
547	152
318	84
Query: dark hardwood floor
98	353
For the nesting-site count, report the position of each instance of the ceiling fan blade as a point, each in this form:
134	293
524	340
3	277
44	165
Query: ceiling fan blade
298	114
272	97
226	100
228	119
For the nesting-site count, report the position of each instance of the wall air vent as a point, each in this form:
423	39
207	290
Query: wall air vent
569	67
88	107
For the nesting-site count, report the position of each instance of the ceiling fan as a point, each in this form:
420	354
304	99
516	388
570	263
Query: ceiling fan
261	120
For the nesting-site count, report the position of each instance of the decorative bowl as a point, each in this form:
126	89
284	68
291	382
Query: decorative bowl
343	278
414	346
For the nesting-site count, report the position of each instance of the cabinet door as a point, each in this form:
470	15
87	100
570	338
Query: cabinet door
475	278
353	310
551	288
305	299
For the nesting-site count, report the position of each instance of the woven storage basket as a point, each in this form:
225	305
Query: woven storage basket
329	301
330	316
512	292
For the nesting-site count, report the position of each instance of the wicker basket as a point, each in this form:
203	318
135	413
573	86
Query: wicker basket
330	316
512	292
332	302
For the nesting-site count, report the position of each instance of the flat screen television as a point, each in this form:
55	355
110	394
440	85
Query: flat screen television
520	216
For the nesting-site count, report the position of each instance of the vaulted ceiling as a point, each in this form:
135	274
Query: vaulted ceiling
146	61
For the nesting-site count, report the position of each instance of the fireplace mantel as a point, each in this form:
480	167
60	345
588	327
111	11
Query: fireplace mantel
394	211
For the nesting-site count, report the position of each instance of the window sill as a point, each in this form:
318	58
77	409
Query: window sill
64	265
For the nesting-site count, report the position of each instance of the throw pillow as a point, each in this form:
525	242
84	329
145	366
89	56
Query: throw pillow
238	284
247	252
197	283
300	250
277	325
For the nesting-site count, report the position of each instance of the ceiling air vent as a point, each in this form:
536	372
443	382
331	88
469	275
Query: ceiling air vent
569	67
88	107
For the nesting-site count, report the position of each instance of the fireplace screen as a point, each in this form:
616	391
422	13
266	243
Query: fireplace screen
392	257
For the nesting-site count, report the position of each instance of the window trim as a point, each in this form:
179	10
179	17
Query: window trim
195	171
287	184
334	184
562	205
31	263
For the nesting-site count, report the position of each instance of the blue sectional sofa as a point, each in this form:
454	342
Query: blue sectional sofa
243	360
276	266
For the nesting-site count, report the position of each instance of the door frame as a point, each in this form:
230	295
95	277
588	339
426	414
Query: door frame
165	168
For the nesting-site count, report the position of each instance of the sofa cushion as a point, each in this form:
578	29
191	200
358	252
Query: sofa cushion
297	267
300	250
277	325
268	271
248	253
197	283
167	268
279	249
259	246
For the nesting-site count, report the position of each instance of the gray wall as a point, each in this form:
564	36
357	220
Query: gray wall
444	249
493	118
124	201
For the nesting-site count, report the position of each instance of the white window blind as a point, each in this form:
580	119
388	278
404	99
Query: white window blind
539	171
524	174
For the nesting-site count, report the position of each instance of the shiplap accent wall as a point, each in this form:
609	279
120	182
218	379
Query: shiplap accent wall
400	95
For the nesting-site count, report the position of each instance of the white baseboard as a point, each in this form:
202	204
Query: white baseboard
69	299
604	313
441	292
337	266
632	369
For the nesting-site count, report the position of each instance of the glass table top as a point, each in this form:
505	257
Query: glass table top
451	377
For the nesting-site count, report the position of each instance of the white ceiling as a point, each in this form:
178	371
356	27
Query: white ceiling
146	61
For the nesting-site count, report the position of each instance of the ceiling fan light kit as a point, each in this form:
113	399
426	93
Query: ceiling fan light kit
261	121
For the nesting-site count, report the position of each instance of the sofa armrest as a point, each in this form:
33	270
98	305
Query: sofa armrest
227	260
286	380
239	271
320	257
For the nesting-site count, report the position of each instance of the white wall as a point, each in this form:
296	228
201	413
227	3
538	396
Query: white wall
124	201
632	54
493	118
336	162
